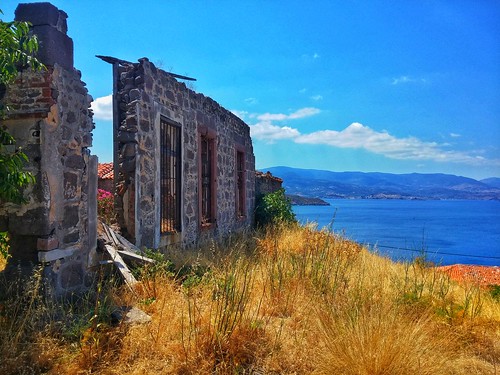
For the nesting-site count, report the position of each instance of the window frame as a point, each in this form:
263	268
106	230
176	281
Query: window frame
209	139
172	211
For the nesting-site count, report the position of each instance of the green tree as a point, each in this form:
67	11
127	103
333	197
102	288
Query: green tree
17	51
274	208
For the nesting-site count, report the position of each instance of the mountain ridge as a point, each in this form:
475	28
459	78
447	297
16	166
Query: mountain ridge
378	185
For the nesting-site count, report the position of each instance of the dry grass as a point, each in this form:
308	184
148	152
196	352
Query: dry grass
290	301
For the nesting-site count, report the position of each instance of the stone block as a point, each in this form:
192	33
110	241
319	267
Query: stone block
34	222
54	47
51	255
70	185
126	137
42	14
71	237
45	244
74	161
71	217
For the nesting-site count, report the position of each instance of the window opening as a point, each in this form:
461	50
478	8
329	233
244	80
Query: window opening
207	180
240	183
170	178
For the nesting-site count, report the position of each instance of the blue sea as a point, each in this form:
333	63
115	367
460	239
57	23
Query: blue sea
449	232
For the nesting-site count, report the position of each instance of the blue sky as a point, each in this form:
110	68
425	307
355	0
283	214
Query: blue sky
389	86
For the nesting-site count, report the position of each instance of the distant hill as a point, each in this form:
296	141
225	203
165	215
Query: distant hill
375	185
492	181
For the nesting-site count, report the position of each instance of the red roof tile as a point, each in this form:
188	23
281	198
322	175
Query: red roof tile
105	171
482	275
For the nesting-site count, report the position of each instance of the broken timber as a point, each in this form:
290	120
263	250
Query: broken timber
114	60
117	247
130	280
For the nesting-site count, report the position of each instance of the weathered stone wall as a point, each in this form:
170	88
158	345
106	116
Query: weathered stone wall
50	118
144	94
266	183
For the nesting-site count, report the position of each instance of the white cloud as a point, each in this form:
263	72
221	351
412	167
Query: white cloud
301	113
316	56
358	136
266	131
407	79
302	91
455	135
317	97
103	108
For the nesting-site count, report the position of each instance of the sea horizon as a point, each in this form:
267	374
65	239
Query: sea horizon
444	231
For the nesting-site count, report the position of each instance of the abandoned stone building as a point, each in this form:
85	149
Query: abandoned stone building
183	171
184	166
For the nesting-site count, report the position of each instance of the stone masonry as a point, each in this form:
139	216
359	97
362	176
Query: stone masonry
266	183
50	118
143	96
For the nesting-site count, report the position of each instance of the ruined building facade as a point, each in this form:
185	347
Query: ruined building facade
184	167
51	120
183	171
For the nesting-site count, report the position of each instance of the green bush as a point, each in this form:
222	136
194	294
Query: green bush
274	208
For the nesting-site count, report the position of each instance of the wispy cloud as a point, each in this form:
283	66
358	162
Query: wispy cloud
103	108
301	113
251	101
455	135
407	79
317	97
310	57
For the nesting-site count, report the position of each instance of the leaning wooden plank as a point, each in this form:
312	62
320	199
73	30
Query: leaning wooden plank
104	233
133	256
111	234
121	266
126	243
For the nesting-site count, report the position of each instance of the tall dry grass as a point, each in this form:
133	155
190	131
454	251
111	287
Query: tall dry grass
292	300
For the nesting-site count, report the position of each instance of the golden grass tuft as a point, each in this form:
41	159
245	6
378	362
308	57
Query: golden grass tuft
292	300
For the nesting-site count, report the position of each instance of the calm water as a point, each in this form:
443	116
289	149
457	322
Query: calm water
450	231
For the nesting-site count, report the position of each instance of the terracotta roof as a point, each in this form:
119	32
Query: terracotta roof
483	275
105	171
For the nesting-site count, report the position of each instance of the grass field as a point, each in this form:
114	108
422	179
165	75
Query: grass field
292	300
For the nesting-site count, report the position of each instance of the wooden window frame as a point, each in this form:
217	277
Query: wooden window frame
207	139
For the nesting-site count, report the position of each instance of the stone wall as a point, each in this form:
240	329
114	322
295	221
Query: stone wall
50	118
266	183
144	94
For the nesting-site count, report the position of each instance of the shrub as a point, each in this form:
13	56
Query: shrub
274	208
105	206
4	245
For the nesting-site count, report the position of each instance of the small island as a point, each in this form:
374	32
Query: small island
298	200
